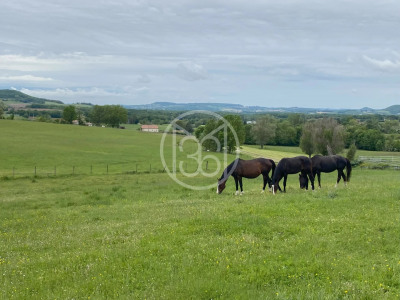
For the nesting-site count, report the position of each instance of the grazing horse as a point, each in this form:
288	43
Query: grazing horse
248	169
327	164
292	165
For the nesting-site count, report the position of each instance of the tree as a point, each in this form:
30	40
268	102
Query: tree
115	115
111	115
306	140
249	139
210	142
69	114
264	130
238	127
351	153
324	136
2	109
286	134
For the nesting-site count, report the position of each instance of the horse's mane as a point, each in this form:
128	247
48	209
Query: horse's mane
228	170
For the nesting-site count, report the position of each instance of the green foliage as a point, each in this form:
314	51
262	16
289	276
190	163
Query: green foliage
2	108
69	114
351	152
324	136
110	115
264	130
306	140
213	134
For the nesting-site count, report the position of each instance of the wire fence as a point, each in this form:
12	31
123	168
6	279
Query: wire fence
380	162
100	169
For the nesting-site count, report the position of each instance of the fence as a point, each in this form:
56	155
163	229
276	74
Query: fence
380	162
95	169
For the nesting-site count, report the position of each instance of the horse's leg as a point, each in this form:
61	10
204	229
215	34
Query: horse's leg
236	184
311	177
241	185
339	175
319	179
284	183
265	181
343	176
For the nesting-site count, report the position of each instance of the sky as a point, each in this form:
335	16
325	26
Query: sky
283	53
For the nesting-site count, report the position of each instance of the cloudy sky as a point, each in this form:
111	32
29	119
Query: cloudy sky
273	53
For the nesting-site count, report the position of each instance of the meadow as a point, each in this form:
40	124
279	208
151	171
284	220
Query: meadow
141	235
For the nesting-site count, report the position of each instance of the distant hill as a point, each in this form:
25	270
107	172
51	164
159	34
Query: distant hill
394	109
17	96
238	108
14	98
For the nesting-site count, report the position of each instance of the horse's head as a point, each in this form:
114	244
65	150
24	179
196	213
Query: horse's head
221	186
303	181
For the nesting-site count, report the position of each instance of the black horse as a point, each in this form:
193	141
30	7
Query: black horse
248	169
292	165
328	164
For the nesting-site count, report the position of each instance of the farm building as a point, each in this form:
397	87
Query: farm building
149	128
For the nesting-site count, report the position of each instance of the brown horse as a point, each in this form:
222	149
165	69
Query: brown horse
240	168
292	165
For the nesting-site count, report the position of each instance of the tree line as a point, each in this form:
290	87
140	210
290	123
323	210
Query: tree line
323	135
367	132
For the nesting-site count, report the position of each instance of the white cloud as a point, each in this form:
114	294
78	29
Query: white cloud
191	71
112	51
25	78
384	65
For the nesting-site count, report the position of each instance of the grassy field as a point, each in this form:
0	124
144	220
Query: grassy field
128	235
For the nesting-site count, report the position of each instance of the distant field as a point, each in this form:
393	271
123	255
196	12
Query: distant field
136	236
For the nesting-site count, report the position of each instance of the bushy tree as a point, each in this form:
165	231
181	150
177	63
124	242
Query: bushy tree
2	109
213	134
210	139
329	136
351	153
238	132
286	134
264	130
306	140
324	136
249	138
111	115
69	114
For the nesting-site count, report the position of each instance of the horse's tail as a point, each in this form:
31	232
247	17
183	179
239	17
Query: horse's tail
273	168
348	169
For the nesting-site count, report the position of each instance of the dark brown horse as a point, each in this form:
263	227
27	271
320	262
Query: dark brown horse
240	168
292	165
328	164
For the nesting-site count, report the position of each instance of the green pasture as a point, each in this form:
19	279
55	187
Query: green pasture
131	235
45	149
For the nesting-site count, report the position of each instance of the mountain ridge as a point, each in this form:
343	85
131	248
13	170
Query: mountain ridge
8	95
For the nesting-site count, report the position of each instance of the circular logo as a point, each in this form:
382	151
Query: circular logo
173	150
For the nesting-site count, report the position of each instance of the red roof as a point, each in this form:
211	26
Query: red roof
149	126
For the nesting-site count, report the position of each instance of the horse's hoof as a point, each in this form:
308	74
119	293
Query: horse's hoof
241	193
262	192
237	193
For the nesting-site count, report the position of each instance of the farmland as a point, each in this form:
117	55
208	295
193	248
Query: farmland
140	235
